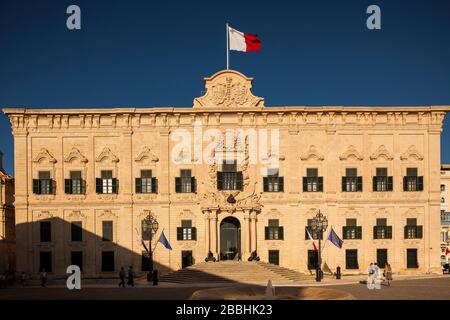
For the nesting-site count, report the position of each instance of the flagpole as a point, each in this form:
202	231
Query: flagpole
228	51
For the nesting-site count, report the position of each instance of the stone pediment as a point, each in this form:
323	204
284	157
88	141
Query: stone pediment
228	89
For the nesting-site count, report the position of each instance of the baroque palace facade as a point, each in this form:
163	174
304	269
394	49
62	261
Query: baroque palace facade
87	178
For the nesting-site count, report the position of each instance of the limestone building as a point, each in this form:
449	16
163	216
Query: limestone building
7	227
88	178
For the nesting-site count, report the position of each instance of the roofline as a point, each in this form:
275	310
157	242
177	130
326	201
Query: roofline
381	109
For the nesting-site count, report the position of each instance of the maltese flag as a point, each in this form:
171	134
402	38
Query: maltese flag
245	42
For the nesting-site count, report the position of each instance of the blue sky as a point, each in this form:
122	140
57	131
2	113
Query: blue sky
148	54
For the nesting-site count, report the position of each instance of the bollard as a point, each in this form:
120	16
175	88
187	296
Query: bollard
338	273
318	275
155	277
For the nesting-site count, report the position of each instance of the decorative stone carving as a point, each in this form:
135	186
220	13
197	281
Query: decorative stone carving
312	153
75	154
44	215
351	153
107	153
76	215
108	214
44	154
227	89
248	198
381	152
411	152
146	153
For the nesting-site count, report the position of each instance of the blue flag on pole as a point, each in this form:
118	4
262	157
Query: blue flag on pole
164	241
334	239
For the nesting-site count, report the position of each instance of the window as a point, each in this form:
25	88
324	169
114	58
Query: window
74	185
273	183
351	182
274	257
273	231
146	183
382	230
315	235
312	182
412	230
76	231
76	258
185	183
106	184
229	178
45	231
45	261
442	200
145	261
313	259
107	227
412	182
351	230
382	182
351	259
381	257
442	187
107	261
186	231
44	184
411	258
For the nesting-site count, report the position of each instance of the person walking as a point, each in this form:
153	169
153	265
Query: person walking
370	276
2	281
44	278
23	279
122	277
131	276
377	276
388	273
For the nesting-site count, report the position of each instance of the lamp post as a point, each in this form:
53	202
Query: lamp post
319	224
150	227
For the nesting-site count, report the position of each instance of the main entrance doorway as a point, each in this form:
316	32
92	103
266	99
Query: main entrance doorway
230	239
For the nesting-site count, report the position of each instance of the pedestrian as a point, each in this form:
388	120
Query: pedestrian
44	278
131	276
2	281
122	277
23	279
388	273
370	276
377	276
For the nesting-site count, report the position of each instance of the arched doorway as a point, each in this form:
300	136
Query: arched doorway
230	239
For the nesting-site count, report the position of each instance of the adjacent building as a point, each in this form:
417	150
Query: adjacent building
7	226
228	178
445	209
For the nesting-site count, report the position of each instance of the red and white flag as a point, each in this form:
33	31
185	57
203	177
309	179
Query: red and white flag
447	251
245	42
311	238
145	247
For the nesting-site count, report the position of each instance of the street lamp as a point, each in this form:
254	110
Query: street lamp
150	226
318	225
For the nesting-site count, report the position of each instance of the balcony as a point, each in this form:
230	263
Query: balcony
445	218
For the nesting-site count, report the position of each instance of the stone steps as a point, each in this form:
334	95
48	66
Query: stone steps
233	272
